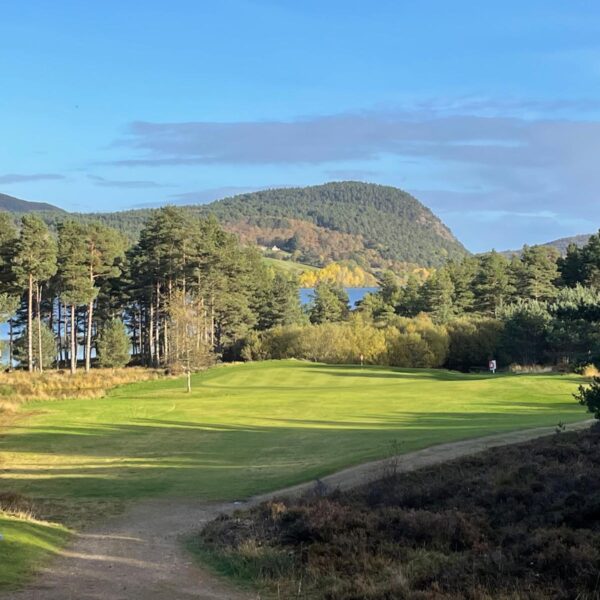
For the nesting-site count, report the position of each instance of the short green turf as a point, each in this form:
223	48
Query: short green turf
25	544
289	266
256	427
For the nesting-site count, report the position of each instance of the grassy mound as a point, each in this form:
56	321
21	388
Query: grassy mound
521	522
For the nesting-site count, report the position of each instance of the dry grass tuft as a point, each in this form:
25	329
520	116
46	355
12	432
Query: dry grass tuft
20	386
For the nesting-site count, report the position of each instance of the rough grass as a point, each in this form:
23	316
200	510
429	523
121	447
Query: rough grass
18	387
518	522
253	428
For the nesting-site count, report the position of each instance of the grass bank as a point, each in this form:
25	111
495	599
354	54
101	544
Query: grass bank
25	546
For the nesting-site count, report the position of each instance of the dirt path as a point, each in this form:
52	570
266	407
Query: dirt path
139	555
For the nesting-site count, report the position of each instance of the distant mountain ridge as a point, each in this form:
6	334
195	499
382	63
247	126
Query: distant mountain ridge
12	204
560	244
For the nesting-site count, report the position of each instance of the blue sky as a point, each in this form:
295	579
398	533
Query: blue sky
488	112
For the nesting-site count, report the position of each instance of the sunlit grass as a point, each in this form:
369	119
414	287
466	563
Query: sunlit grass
251	428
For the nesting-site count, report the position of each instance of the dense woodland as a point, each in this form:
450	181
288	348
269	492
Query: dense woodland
535	309
188	293
183	294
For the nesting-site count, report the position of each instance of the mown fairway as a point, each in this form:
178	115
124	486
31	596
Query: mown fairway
257	427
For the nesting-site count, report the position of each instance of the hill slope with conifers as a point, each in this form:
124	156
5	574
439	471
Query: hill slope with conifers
561	244
12	204
373	226
346	220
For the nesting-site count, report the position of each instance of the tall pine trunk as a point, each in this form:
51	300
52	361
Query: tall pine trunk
59	331
30	324
73	353
90	319
157	348
151	335
10	344
39	328
88	337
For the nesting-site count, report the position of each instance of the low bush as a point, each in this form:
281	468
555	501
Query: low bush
496	525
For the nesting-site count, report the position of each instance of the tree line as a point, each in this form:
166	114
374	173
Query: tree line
186	292
536	308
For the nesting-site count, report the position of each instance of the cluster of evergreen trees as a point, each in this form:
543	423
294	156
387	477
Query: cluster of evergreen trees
187	291
183	293
547	307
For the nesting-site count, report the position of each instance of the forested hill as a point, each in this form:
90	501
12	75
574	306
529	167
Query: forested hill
12	204
375	226
342	220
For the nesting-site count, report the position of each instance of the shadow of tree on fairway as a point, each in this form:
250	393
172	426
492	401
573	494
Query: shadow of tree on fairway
220	461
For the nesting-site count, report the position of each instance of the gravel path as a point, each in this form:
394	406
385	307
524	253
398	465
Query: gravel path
139	555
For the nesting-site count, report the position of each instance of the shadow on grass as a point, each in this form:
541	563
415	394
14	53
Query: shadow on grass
222	461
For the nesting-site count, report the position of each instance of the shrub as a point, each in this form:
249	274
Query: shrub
589	396
113	345
49	348
472	342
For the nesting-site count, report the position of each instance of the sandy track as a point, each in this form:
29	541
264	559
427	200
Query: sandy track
139	555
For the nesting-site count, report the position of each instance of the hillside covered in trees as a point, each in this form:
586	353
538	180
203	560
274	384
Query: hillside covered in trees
12	204
371	226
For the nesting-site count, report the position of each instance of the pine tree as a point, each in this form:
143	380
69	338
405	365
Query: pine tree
590	259
113	345
409	303
330	303
74	285
536	278
436	295
104	246
34	262
278	301
462	275
571	267
492	285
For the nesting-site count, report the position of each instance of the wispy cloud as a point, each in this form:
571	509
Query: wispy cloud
202	196
24	178
126	184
